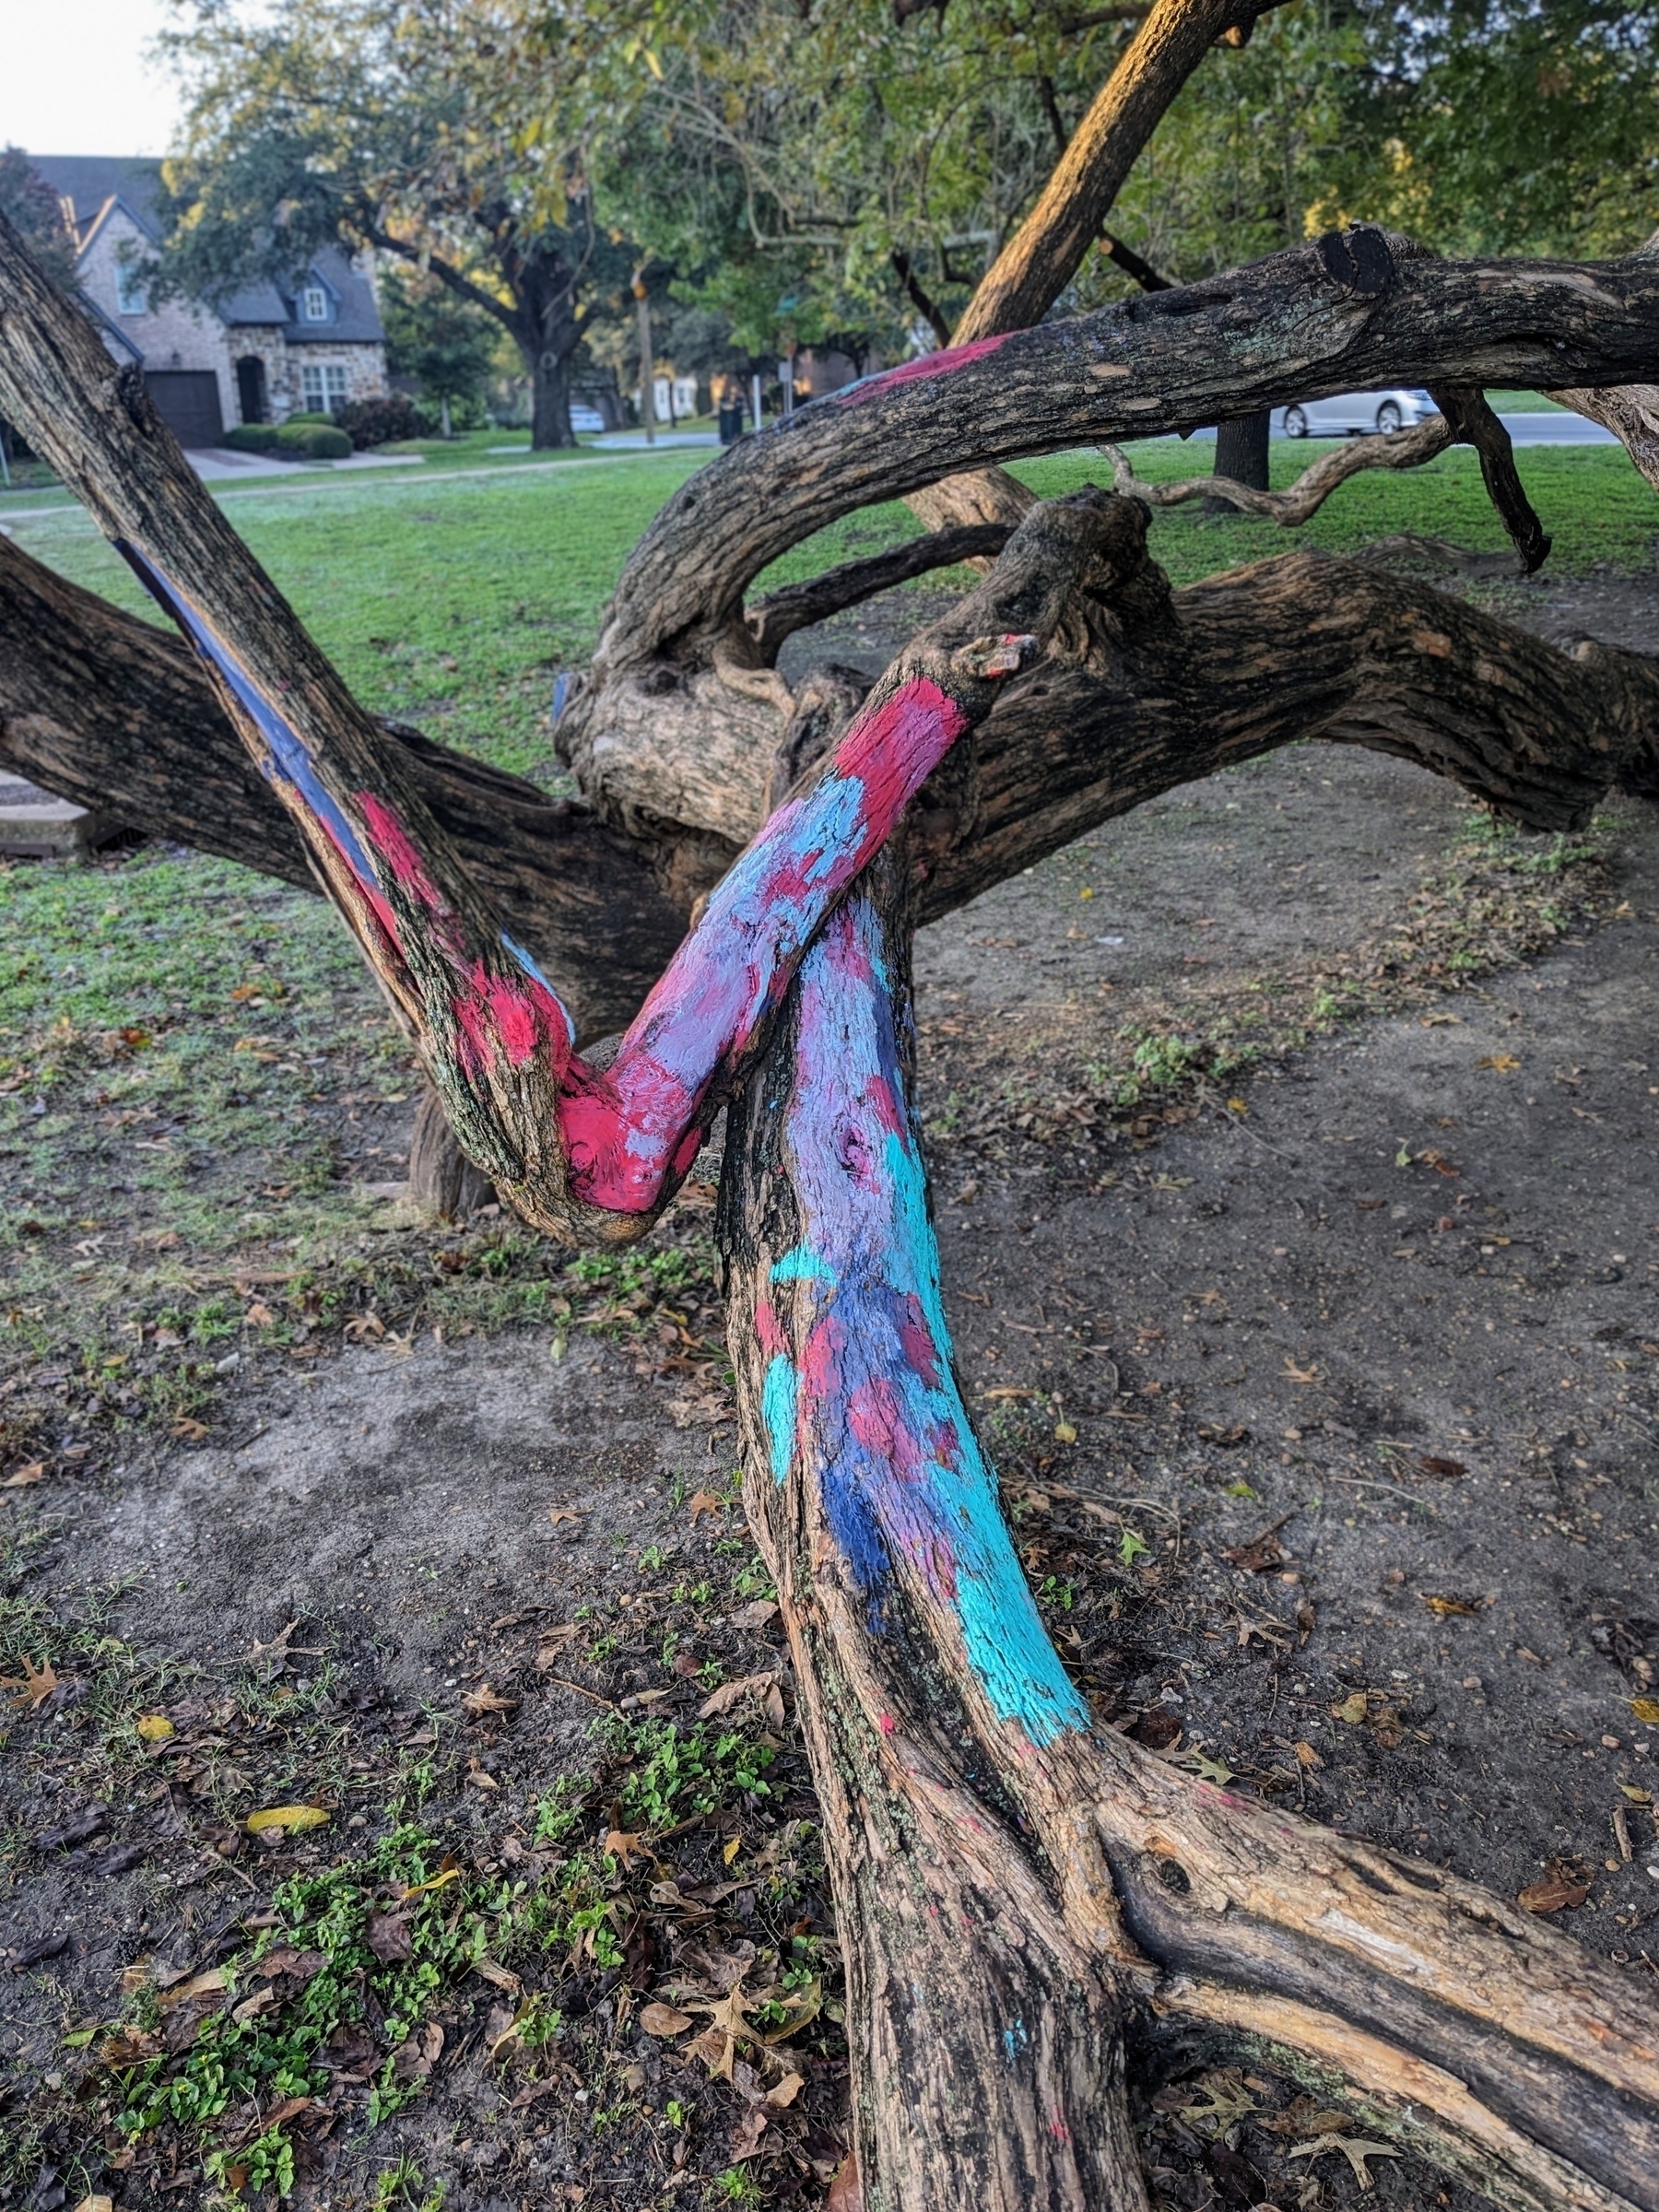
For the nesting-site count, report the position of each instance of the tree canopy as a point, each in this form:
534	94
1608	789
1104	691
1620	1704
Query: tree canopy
405	128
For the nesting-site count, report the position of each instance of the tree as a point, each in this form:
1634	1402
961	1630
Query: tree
1016	1889
400	127
28	202
446	343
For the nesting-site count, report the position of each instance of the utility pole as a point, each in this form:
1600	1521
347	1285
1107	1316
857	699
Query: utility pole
647	360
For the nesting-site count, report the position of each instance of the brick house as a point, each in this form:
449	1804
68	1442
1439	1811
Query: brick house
260	356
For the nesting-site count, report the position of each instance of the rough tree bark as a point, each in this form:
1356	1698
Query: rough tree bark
1025	1883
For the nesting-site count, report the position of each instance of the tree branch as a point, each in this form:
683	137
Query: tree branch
780	614
106	711
1039	260
1134	264
1473	423
928	308
1299	502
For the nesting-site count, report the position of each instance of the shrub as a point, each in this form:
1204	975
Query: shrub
320	420
316	440
253	438
371	422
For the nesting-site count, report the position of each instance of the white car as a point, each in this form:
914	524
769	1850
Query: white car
583	418
1388	411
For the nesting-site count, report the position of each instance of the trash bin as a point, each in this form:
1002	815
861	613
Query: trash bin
730	421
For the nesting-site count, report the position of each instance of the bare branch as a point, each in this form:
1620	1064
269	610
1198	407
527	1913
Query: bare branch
1473	423
779	615
1299	502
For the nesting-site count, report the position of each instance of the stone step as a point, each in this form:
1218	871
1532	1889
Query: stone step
35	826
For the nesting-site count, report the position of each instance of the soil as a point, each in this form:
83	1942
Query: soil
1325	1394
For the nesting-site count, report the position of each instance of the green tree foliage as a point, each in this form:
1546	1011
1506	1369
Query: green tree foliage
1517	125
30	203
780	154
405	126
446	343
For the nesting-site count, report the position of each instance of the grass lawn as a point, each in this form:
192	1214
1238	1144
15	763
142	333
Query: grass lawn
451	598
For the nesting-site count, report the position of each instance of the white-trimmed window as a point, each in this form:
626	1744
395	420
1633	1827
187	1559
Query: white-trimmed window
314	303
131	297
324	383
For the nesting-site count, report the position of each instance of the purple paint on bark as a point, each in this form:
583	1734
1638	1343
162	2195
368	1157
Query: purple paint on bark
874	1401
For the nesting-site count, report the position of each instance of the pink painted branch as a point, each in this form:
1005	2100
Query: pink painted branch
626	1135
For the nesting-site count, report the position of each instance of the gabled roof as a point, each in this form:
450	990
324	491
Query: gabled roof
94	184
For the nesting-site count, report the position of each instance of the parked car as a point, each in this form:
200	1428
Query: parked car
583	418
1362	411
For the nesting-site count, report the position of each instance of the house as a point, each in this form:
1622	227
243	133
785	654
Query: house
263	354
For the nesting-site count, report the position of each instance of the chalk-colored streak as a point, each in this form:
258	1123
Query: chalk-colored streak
876	1401
289	758
922	368
627	1130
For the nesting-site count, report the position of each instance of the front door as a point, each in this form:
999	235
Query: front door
251	388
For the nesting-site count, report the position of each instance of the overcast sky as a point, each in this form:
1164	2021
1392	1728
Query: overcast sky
73	80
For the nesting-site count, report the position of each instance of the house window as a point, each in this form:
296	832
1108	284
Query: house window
324	386
130	296
314	303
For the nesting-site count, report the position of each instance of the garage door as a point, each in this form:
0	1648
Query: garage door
188	401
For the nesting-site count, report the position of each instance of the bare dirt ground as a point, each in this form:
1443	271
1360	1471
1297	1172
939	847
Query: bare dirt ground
1324	1387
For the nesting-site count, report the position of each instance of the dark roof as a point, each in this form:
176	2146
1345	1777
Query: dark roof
92	180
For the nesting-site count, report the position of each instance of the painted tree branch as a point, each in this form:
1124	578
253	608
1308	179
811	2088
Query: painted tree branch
106	711
1002	1929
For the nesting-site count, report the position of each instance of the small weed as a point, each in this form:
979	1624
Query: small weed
676	1773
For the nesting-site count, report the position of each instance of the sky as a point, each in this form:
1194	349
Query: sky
74	79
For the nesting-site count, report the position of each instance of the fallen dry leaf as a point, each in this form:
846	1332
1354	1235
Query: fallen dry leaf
1561	1888
1441	1604
763	1689
155	1727
1432	1464
627	1848
1307	1757
1354	2148
556	1514
500	1977
1503	1063
484	1699
259	1317
757	1615
22	1476
293	1818
389	1936
664	2021
1646	1709
33	1687
1351	1709
191	1431
785	2091
704	1501
1304	2116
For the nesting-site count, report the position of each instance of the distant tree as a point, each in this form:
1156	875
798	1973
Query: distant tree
408	126
446	343
30	204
